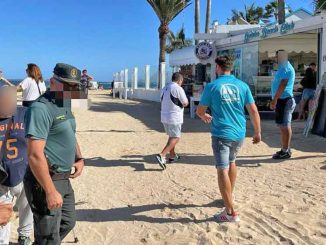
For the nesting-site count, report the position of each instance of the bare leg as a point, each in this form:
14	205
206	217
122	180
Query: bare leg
302	107
232	174
286	133
225	187
172	153
169	146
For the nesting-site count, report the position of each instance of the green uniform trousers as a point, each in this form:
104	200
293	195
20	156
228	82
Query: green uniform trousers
50	226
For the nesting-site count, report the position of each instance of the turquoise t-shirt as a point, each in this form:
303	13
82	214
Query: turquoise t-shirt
227	97
285	71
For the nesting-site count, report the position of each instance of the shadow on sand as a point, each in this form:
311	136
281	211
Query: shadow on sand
130	213
148	113
139	162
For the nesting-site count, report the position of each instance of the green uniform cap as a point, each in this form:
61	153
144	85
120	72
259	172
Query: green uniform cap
67	73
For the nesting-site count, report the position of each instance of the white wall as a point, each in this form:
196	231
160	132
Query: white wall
145	94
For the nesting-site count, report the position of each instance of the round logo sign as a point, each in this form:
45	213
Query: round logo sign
204	50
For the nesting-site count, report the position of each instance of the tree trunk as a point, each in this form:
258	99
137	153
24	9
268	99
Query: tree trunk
281	12
197	18
163	31
208	15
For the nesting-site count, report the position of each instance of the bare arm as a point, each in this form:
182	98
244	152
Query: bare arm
39	166
79	164
255	120
185	104
201	113
6	81
6	211
279	93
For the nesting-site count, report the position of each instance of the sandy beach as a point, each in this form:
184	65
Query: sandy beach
123	197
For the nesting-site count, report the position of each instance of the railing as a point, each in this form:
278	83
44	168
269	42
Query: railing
141	82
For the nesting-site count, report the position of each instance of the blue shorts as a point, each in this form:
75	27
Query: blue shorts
225	151
308	94
284	111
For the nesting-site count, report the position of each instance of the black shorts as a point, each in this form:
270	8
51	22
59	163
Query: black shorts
284	110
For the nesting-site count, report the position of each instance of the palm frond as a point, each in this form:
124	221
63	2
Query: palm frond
167	10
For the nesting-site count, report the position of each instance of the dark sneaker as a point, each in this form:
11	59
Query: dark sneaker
176	158
23	240
161	160
282	155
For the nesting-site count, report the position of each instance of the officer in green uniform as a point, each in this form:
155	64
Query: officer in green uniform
54	157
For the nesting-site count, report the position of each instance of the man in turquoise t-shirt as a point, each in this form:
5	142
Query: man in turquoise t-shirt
227	98
283	102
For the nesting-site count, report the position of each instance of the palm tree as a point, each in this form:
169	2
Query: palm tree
197	18
208	15
177	40
319	5
271	10
252	14
281	11
166	11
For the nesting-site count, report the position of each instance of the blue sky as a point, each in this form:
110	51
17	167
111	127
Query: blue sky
101	35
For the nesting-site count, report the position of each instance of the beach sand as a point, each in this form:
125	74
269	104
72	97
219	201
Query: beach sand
123	197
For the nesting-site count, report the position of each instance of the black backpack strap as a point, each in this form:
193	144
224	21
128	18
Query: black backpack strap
176	101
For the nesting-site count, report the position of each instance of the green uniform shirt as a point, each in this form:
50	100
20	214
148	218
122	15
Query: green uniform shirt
57	126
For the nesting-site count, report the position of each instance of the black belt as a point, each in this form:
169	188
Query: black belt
28	103
60	176
54	175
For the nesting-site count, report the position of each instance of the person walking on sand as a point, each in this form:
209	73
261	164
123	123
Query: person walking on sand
53	152
173	101
33	86
227	98
283	102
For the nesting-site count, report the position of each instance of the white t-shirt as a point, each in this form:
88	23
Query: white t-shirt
30	89
173	96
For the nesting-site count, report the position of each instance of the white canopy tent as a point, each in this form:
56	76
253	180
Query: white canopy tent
295	43
185	56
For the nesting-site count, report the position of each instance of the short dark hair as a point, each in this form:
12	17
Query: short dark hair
84	70
312	64
225	62
280	50
177	77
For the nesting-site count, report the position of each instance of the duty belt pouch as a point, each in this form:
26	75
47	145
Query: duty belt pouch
3	171
280	109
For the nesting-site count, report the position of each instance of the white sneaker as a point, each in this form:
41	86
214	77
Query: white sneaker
161	161
224	217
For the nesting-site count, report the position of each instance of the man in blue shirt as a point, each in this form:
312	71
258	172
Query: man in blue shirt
15	163
227	98
283	102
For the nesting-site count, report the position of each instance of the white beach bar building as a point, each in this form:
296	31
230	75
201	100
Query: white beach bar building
303	36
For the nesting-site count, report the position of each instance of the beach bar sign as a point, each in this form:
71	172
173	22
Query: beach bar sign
267	31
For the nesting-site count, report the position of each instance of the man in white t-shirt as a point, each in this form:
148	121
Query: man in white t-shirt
173	101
